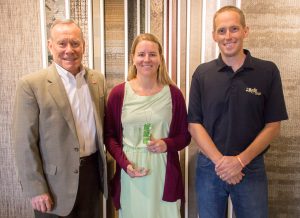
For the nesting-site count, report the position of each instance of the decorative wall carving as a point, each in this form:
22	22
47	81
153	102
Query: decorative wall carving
79	13
53	10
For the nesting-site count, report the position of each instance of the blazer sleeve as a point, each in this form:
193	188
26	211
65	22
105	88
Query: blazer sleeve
26	141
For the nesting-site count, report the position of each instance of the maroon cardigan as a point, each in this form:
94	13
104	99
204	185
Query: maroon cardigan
178	138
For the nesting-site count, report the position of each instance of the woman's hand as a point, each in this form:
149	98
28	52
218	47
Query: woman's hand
136	172
157	146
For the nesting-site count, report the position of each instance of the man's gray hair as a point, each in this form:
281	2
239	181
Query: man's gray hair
65	21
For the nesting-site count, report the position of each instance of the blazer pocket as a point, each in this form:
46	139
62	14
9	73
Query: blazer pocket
50	169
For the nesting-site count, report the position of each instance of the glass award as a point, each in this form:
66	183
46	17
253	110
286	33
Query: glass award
147	133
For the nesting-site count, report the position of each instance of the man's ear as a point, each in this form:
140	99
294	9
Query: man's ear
83	46
213	35
246	32
50	45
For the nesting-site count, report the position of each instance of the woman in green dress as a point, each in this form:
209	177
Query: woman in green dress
145	127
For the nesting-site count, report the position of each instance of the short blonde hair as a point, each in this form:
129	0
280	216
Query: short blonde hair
230	8
162	74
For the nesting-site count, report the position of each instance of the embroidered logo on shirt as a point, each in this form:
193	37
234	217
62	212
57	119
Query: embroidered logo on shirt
253	91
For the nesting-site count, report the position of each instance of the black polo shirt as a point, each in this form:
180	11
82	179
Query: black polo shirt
234	107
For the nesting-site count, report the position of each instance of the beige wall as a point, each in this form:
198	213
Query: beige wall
20	53
274	35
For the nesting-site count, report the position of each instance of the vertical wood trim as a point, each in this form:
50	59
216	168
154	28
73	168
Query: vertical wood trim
174	40
178	58
43	34
238	3
170	18
102	38
217	50
138	17
229	208
102	70
147	16
165	29
67	9
126	39
203	38
187	94
90	35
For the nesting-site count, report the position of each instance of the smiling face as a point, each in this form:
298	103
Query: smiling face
229	33
67	46
146	58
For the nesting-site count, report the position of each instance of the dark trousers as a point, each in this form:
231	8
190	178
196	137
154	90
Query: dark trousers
87	204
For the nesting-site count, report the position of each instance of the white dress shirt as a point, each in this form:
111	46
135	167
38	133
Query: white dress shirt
82	108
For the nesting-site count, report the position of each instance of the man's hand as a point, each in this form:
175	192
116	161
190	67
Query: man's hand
42	203
229	169
235	179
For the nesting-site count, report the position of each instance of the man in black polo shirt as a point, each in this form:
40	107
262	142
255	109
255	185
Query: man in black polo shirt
235	108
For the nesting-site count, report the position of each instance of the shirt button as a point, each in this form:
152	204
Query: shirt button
76	149
76	171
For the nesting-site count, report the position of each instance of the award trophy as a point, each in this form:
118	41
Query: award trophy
147	133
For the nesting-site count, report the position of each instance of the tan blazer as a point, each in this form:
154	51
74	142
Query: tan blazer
45	138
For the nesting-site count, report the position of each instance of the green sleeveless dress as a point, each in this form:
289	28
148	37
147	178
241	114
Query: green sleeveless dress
142	197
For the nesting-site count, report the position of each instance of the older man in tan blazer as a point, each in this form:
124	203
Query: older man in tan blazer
58	126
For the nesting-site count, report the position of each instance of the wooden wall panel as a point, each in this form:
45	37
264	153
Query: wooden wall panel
20	53
275	35
194	60
157	18
114	42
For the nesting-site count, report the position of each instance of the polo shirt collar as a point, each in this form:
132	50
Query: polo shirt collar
246	65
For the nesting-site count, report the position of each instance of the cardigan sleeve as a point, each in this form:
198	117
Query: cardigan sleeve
113	126
179	136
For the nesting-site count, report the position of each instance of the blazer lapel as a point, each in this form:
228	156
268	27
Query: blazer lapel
57	91
93	85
